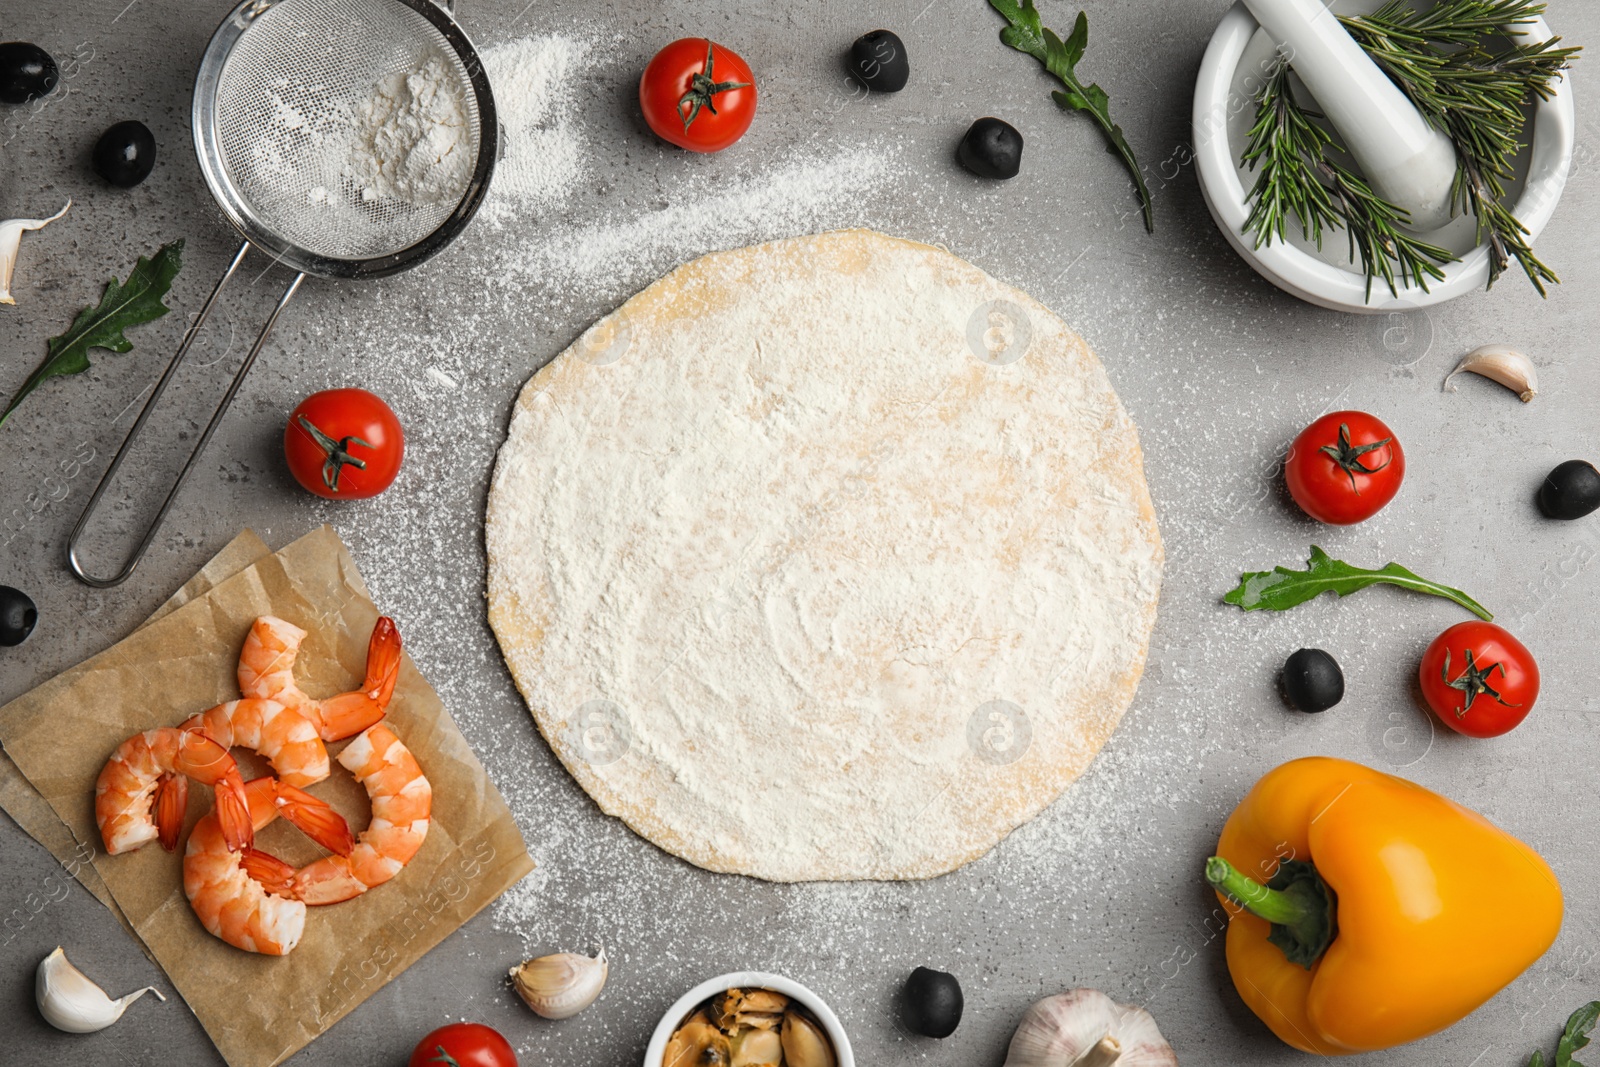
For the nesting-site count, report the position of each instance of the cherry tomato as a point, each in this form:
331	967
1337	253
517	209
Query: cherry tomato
1344	467
698	95
1479	679
344	444
463	1045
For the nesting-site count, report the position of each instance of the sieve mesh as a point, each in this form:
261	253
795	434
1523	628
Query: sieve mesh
288	123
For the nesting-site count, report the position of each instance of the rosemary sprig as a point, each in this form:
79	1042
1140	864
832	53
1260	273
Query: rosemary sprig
1299	175
1443	60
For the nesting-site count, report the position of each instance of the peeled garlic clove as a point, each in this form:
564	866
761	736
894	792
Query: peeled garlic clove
1503	364
560	986
69	1001
757	1048
11	241
696	1043
804	1043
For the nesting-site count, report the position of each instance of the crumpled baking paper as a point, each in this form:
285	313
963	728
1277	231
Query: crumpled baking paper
259	1010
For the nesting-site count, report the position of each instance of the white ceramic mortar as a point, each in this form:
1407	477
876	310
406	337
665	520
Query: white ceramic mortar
1233	68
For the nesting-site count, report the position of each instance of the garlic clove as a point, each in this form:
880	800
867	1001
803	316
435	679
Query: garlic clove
804	1044
1499	363
697	1042
756	1048
560	986
11	241
69	1001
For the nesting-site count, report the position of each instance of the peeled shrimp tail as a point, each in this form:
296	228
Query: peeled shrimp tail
268	798
233	811
275	876
314	818
383	661
171	803
350	713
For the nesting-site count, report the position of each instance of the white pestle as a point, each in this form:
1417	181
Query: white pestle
1404	158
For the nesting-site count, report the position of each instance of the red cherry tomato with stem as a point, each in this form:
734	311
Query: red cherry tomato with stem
1478	679
344	444
698	95
1344	467
463	1045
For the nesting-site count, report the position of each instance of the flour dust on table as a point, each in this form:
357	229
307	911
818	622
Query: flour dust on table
544	156
828	558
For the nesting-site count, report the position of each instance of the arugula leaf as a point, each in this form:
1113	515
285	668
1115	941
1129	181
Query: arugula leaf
1576	1034
123	305
1026	33
1281	588
1573	1038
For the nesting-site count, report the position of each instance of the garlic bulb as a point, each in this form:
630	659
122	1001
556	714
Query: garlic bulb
69	1001
1086	1028
1503	364
11	241
560	986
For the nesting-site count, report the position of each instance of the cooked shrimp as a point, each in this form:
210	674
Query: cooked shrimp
153	769
266	670
402	800
282	736
227	900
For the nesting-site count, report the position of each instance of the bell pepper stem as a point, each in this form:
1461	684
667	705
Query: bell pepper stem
1273	905
1300	906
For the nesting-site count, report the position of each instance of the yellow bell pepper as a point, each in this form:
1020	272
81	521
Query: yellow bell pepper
1388	913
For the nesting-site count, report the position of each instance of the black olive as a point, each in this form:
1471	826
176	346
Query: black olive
991	149
17	616
878	60
26	72
125	154
930	1003
1312	680
1571	491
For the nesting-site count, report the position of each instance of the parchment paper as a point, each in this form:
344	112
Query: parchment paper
260	1010
28	807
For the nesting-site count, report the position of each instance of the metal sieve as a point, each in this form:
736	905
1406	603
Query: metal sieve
292	105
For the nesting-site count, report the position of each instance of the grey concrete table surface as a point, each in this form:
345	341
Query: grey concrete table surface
1218	368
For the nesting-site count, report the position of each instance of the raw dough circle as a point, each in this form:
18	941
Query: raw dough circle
822	559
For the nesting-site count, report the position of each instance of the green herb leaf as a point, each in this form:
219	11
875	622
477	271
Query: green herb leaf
1576	1034
1281	588
1573	1038
1026	33
123	305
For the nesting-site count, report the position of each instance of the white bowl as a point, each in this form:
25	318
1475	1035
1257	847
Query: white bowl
686	1004
1223	110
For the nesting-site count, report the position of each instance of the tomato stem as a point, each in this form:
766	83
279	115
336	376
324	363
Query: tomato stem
1348	456
1473	682
337	453
703	87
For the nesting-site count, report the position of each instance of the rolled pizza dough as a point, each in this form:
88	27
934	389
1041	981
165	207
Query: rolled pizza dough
828	558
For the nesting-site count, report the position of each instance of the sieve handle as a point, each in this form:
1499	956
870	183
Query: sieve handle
76	565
